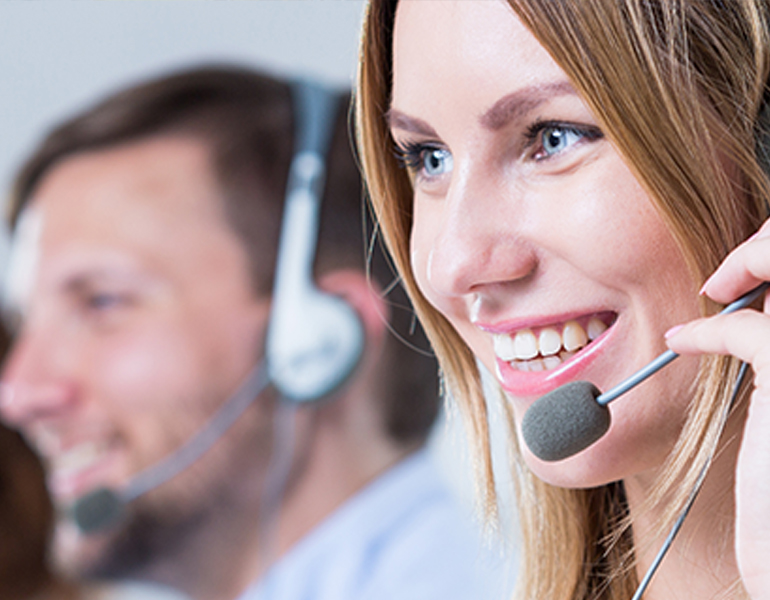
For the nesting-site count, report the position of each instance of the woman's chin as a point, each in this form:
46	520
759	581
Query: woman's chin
587	469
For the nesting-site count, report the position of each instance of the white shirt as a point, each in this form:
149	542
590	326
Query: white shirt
403	537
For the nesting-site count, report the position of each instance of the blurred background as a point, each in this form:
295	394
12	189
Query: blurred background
59	56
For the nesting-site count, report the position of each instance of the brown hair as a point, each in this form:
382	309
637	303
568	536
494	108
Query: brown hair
246	120
656	76
26	519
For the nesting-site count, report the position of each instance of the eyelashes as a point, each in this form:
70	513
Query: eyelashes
411	154
426	160
541	141
408	154
548	138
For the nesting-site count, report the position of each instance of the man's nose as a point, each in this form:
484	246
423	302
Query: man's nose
33	385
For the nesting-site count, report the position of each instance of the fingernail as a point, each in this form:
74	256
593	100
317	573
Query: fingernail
672	332
706	283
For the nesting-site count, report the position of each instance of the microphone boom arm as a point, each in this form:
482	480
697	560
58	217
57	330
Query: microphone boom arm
669	355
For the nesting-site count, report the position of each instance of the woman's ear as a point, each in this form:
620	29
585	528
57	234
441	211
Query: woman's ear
364	296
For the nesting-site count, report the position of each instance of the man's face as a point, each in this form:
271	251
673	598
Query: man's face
138	323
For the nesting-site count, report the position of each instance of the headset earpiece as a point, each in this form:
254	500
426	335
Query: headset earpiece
314	339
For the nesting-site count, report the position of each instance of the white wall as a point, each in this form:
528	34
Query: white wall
56	56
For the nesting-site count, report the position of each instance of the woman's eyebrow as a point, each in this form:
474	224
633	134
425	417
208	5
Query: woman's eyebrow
515	104
398	120
502	112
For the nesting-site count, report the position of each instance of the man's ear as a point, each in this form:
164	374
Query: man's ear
364	296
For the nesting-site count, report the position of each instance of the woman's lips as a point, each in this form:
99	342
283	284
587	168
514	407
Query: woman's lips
533	361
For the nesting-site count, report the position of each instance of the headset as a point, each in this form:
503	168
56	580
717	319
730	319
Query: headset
572	417
575	415
314	340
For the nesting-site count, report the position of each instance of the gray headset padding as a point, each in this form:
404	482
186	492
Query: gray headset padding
314	339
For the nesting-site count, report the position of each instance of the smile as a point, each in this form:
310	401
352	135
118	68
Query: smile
546	348
79	458
71	471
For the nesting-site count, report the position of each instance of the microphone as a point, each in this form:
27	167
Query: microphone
575	415
105	507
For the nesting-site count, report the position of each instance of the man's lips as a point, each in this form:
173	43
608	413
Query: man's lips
80	467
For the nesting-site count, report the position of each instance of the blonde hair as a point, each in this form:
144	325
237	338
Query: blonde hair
677	86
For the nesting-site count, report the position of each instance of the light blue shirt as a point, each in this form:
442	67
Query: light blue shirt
126	590
403	537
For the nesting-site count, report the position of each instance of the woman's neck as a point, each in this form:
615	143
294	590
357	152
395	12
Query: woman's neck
701	562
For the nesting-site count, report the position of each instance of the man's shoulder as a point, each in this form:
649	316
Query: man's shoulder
435	550
402	536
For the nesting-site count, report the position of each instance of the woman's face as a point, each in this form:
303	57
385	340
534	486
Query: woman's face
531	234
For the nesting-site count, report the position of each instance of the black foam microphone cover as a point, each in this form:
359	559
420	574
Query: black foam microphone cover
565	421
98	510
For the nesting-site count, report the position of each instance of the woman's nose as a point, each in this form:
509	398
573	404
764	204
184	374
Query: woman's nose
474	243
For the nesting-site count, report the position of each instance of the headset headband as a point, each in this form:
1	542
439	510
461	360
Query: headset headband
314	340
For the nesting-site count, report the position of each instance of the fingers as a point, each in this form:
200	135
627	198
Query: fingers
745	268
744	334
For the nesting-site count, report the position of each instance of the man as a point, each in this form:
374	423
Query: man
150	226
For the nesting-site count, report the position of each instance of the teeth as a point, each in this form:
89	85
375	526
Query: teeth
78	457
574	336
551	362
525	344
536	365
548	349
549	341
595	328
46	442
503	346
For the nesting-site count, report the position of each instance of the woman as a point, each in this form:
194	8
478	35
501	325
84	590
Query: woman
555	180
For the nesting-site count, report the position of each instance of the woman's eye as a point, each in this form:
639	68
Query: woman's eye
425	161
550	139
436	162
555	140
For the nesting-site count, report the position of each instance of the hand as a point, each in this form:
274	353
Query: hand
746	335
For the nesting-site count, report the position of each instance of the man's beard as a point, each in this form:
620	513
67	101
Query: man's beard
170	525
148	538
